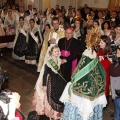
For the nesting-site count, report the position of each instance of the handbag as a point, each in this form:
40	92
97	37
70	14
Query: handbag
33	116
117	92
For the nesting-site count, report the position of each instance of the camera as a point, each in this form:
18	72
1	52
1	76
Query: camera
113	53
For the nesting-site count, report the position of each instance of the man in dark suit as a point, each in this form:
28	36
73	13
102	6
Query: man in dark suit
114	18
29	11
22	12
69	18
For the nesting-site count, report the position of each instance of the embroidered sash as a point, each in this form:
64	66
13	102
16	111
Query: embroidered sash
23	32
88	80
34	37
56	67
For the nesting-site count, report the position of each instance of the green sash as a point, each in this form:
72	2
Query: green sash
56	68
88	80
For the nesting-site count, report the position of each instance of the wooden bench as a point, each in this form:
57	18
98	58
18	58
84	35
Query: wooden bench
6	39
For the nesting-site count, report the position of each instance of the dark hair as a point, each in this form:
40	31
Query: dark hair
118	25
113	34
29	6
21	18
106	39
32	20
96	22
102	26
34	8
55	19
48	25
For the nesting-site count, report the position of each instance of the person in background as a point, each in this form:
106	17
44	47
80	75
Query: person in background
69	17
114	18
10	23
78	28
115	83
103	52
29	11
49	87
20	42
97	25
15	13
22	12
2	33
46	30
3	14
117	38
52	37
34	41
63	22
106	28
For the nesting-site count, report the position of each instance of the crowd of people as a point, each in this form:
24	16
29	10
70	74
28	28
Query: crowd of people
77	54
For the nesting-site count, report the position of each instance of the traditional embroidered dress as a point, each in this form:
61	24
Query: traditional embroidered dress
34	41
84	96
20	43
44	51
47	102
10	28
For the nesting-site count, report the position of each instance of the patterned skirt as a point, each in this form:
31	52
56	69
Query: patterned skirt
72	113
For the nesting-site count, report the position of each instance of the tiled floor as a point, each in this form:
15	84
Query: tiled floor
22	80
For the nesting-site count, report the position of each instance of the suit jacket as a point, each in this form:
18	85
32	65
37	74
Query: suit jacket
69	21
116	20
27	12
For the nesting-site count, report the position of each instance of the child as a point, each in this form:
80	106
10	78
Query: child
49	87
115	84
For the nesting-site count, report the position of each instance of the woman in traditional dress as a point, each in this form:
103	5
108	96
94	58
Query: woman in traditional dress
10	23
49	87
84	96
34	41
20	43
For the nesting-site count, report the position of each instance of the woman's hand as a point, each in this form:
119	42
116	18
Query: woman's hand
63	61
110	59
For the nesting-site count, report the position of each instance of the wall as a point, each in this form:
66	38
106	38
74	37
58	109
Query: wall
65	3
2	2
96	3
46	4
